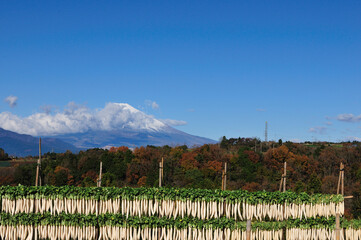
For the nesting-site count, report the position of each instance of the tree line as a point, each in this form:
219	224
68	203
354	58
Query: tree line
252	165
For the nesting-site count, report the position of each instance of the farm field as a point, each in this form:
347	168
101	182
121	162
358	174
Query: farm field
168	213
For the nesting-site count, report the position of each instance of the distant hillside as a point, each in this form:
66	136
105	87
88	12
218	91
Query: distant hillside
131	138
24	145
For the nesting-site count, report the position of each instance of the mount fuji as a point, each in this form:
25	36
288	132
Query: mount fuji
117	124
123	125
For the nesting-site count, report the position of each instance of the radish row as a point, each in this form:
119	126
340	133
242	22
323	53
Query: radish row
353	234
29	232
114	233
312	234
172	209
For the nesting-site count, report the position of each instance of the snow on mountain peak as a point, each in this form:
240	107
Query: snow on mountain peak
122	115
79	118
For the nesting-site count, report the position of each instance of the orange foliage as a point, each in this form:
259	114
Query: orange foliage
142	181
274	158
215	165
188	161
252	156
118	149
60	168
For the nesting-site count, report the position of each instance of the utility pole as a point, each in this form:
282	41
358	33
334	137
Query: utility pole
38	177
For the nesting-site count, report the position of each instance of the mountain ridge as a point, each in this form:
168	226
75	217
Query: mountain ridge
22	145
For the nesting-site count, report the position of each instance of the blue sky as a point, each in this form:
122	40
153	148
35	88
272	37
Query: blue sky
223	67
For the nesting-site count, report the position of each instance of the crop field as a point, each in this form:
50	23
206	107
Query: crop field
165	213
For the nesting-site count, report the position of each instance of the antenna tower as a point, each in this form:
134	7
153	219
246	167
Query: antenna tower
266	133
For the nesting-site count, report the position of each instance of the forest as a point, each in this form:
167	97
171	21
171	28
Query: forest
252	165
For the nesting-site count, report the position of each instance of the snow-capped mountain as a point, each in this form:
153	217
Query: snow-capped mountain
121	124
116	124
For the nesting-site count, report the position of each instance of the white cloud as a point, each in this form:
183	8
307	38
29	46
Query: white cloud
79	118
47	108
329	123
11	100
152	104
319	130
351	139
349	117
172	122
155	105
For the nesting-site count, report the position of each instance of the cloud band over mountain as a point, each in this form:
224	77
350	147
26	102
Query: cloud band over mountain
79	118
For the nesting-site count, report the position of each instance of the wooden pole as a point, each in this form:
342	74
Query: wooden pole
337	229
160	174
225	176
342	179
248	229
339	181
281	183
222	180
100	174
340	185
162	169
285	177
283	188
37	178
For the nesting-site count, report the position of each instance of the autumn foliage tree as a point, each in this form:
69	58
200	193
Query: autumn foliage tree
311	167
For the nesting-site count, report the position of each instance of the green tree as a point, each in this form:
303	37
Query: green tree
314	184
25	174
3	155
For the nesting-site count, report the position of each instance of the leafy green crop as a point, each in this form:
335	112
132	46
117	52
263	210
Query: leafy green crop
155	222
105	193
